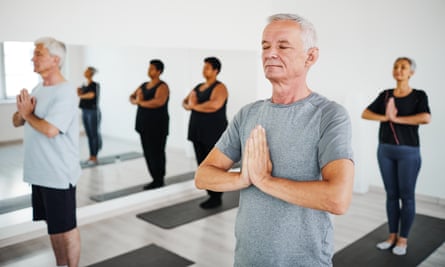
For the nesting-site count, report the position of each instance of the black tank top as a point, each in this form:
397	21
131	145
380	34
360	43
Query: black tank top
204	127
152	121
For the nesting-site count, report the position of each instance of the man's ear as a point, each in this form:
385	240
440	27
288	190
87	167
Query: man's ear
312	56
57	60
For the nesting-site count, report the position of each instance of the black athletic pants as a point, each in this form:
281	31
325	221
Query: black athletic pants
201	152
154	153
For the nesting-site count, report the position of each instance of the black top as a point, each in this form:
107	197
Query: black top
414	103
152	121
204	127
92	103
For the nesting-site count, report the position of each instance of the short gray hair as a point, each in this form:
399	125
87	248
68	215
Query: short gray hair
411	62
55	48
308	33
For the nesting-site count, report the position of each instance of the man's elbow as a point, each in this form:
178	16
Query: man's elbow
339	203
51	132
198	179
339	208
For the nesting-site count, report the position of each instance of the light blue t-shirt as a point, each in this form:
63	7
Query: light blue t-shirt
53	162
302	137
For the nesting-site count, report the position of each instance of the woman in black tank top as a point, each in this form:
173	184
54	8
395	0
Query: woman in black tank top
207	103
152	121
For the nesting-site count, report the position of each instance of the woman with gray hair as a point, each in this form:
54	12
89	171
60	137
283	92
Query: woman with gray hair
400	111
91	116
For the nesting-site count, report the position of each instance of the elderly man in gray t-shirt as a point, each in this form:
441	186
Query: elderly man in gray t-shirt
296	158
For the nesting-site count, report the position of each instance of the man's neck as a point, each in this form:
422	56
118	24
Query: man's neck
52	78
288	93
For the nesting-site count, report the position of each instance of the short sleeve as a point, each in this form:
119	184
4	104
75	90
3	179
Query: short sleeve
63	109
336	136
423	105
378	105
230	142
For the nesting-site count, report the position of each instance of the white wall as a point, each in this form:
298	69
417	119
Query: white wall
358	40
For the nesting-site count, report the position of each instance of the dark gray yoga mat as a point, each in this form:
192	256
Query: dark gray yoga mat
189	211
151	255
139	188
112	159
426	235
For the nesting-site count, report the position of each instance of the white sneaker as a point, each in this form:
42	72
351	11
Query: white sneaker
384	245
399	250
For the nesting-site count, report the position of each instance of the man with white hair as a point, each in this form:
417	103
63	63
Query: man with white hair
51	146
296	158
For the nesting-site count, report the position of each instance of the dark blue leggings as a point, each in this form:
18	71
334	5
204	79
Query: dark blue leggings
399	166
91	122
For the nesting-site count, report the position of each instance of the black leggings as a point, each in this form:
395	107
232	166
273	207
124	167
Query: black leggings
154	153
201	152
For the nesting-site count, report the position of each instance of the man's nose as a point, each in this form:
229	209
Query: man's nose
271	54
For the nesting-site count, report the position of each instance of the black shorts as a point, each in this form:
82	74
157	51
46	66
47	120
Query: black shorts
56	206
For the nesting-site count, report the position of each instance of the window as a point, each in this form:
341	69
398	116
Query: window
18	68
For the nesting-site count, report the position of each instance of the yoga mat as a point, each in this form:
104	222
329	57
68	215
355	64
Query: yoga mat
139	188
15	203
426	235
151	255
185	212
112	159
129	155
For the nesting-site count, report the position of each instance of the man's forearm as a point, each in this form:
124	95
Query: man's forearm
42	125
215	179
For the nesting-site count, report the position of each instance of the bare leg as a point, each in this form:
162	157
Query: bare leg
66	247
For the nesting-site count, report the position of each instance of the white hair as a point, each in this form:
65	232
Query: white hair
55	48
308	34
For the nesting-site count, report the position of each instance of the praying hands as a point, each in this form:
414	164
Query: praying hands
257	165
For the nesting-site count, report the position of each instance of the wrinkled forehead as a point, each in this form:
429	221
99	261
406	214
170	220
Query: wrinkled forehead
283	29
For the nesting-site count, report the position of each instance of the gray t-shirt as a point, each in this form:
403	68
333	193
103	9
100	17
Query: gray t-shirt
53	162
302	137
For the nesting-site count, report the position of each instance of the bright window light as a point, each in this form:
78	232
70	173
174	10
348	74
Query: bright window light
19	69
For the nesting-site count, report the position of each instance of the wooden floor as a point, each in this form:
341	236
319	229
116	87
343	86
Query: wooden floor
207	242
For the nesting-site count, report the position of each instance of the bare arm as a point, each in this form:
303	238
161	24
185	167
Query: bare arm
369	115
89	95
185	102
133	96
213	174
421	118
159	99
26	105
391	115
332	194
217	98
42	125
